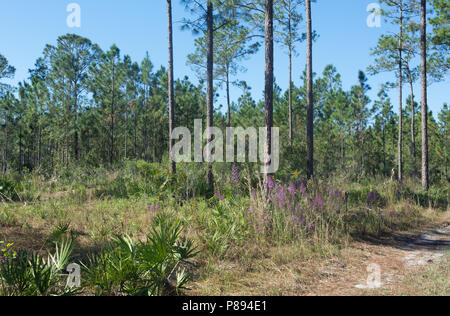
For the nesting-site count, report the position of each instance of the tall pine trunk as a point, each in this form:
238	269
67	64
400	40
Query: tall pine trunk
413	127
424	107
309	94
400	102
291	136
5	149
228	96
171	92
268	92
111	150
210	90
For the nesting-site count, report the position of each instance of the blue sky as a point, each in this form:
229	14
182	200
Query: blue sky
137	26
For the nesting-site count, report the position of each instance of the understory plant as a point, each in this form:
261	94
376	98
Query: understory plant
154	267
28	274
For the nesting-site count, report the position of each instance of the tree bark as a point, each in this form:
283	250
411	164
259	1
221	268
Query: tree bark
290	81
228	97
210	90
268	92
413	128
309	93
424	107
111	150
400	92
171	88
5	149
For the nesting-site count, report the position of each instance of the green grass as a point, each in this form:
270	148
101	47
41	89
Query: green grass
236	228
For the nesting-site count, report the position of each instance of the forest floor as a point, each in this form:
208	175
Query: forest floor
413	263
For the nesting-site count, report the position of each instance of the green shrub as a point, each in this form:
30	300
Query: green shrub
28	274
9	189
150	268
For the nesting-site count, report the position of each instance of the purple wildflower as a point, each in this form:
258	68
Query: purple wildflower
310	225
302	188
330	192
219	196
318	202
270	183
295	219
281	195
152	208
369	197
292	188
375	195
235	174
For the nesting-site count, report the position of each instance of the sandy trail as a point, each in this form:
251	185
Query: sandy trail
379	266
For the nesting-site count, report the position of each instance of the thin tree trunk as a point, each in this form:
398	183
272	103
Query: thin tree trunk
400	92
424	107
384	150
413	129
5	149
75	137
39	146
135	133
111	151
228	96
210	90
171	92
20	151
268	98
126	133
309	93
290	82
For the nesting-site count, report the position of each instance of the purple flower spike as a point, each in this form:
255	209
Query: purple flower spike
292	188
330	192
235	174
220	196
318	202
310	226
369	196
302	188
270	183
302	222
281	195
375	195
